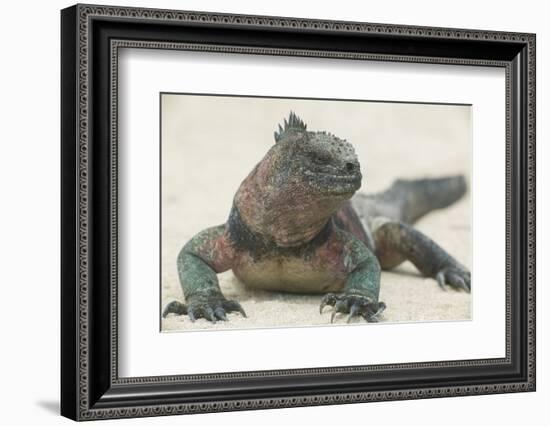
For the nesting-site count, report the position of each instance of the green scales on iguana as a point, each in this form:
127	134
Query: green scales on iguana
297	225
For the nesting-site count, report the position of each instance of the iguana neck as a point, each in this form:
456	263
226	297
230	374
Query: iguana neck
285	213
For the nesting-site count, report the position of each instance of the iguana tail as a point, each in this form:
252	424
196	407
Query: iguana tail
409	200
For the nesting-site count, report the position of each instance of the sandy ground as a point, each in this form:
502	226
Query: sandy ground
209	144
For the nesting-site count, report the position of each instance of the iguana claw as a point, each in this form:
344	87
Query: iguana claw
456	277
220	313
233	306
174	307
328	299
354	305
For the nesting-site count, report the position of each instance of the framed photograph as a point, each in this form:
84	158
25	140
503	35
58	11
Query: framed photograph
263	212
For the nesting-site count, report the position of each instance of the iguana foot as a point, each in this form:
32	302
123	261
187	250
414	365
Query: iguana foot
212	309
354	305
457	277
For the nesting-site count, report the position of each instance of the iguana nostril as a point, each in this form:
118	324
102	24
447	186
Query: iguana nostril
350	167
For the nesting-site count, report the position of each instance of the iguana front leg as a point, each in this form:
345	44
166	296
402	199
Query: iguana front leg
362	287
397	241
200	260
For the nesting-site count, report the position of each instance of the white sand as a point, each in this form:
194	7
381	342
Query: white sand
203	164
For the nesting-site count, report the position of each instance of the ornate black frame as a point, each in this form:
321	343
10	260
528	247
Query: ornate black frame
91	37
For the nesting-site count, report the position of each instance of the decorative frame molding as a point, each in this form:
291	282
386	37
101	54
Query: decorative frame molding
91	37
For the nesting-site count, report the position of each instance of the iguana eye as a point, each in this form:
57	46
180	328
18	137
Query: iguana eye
321	160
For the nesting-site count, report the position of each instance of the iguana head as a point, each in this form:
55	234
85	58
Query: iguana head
300	183
318	163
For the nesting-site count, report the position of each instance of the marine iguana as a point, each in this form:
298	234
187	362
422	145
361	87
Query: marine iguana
296	226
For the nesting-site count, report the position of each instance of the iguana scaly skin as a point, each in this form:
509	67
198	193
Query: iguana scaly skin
295	227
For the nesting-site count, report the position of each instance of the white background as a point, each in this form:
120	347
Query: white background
29	225
146	352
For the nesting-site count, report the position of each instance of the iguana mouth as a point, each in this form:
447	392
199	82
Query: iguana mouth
335	183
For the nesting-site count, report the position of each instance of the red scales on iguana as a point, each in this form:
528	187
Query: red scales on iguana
296	226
